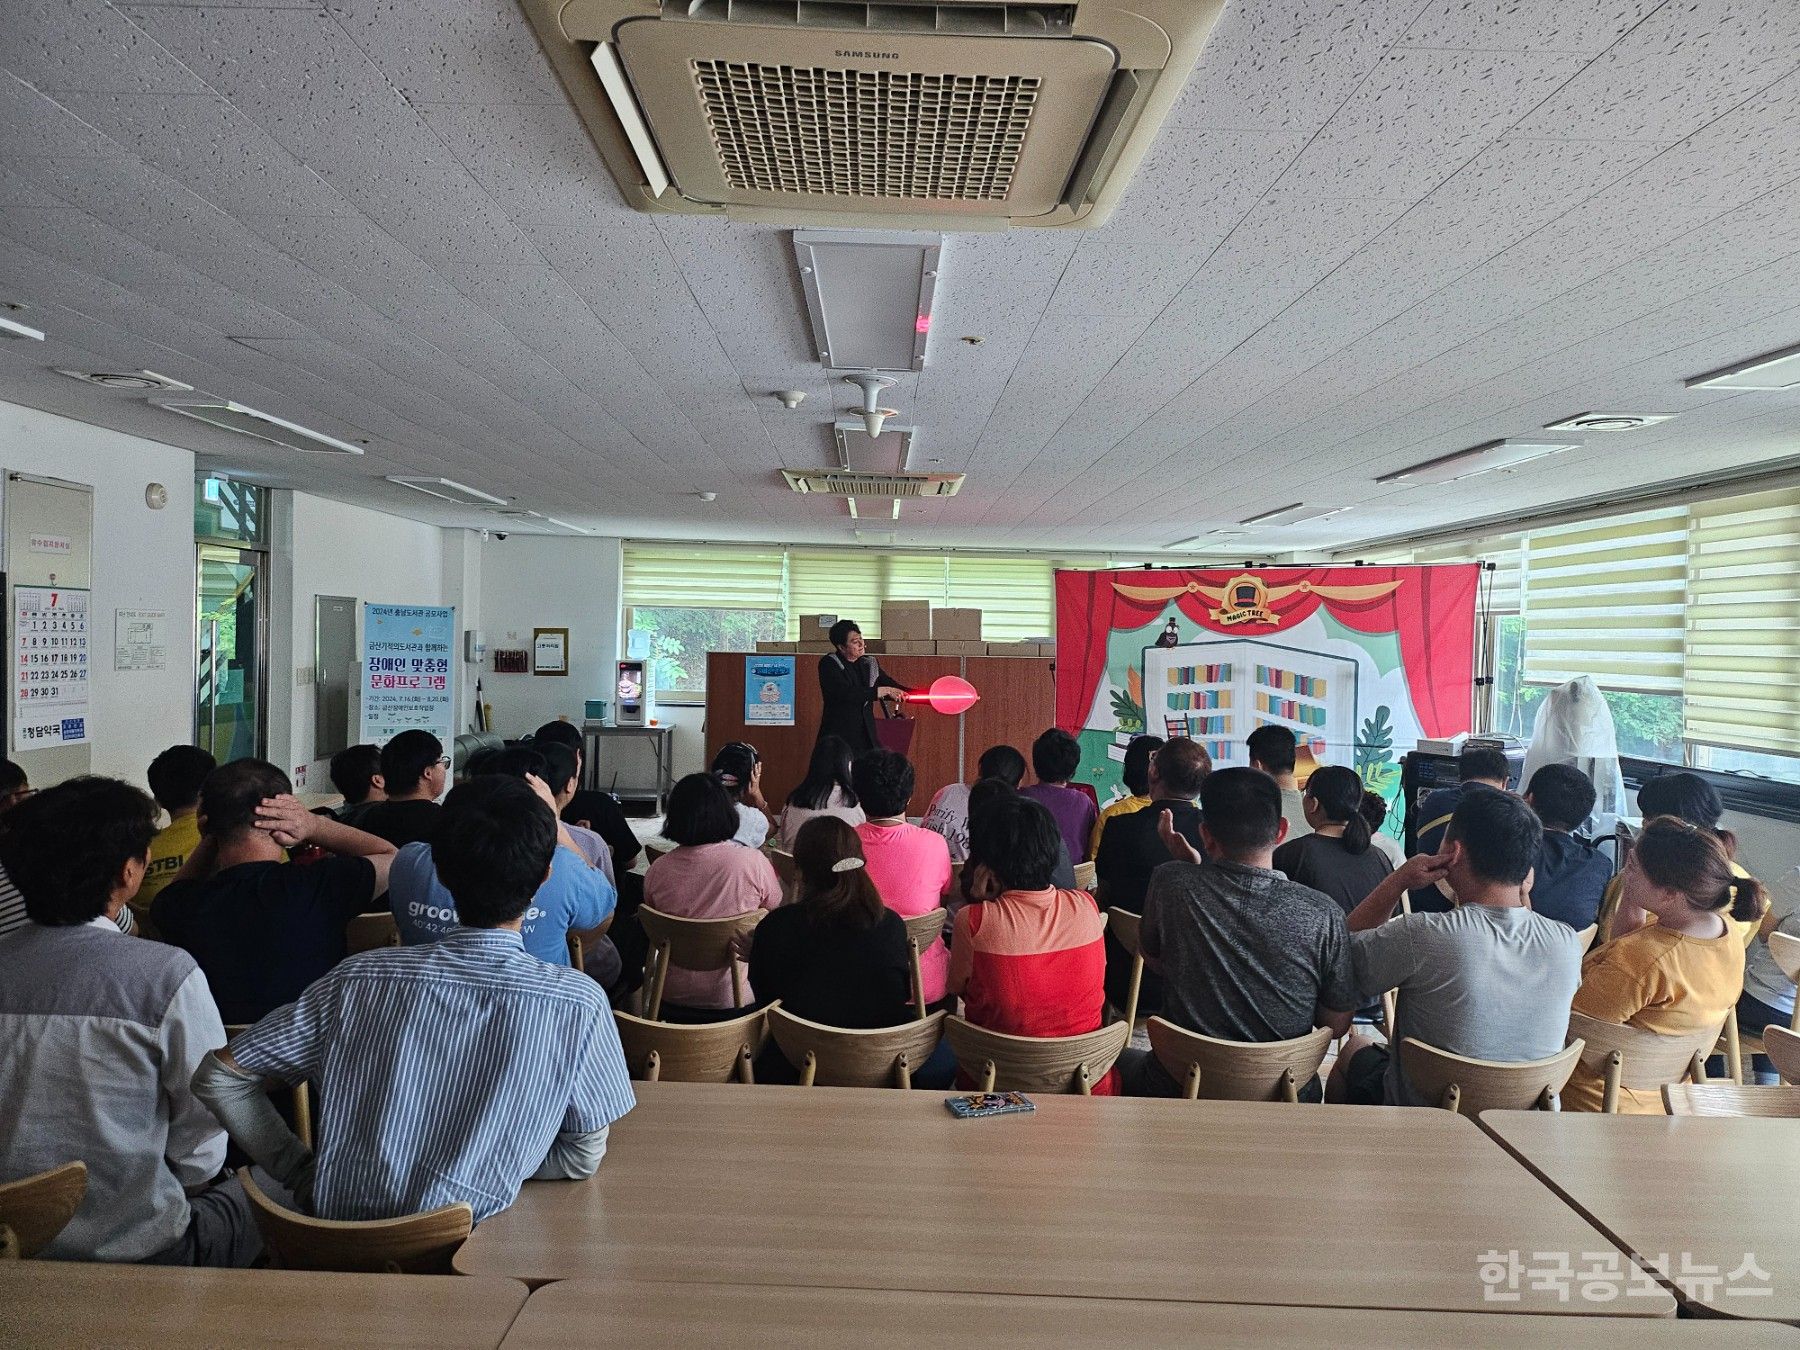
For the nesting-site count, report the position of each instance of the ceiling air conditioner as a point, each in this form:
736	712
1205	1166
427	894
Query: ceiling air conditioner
846	483
963	114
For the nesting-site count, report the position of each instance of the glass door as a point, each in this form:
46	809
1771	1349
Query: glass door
231	690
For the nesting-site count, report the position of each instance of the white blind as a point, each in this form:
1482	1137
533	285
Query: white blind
704	576
1742	649
845	582
1503	588
1605	598
1016	596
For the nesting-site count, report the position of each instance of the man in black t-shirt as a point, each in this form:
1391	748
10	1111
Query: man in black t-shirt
261	928
597	811
414	772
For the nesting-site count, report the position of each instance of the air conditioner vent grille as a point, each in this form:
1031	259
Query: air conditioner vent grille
844	483
866	133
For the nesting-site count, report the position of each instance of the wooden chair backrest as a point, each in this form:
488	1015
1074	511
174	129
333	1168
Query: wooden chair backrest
1586	935
785	869
921	931
36	1208
1244	1071
1644	1060
1084	877
416	1244
1783	1049
842	1057
1471	1086
301	1092
1001	1063
1124	925
1728	1099
655	848
366	932
700	944
1785	949
702	1052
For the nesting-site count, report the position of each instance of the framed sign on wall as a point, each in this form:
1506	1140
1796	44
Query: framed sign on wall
549	651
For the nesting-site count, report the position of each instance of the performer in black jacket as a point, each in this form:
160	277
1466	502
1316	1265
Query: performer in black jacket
851	681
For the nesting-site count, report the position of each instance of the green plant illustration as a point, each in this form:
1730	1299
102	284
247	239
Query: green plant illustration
1127	712
1375	754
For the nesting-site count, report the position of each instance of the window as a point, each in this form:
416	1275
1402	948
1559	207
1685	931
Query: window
230	512
692	599
680	638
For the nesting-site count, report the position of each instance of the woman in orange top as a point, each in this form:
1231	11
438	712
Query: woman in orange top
1674	964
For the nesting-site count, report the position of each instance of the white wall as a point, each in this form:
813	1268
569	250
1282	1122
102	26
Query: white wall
543	581
143	559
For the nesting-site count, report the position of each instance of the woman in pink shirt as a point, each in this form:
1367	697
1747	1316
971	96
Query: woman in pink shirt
705	877
909	865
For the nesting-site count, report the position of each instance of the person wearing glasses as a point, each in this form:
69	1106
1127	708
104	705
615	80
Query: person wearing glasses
415	771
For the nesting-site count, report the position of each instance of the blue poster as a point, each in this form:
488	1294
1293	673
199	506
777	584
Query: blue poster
769	691
408	668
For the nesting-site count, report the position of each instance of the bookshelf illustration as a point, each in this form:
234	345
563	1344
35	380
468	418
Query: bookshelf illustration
1219	692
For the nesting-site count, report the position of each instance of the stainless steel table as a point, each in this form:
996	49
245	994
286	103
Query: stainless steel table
662	745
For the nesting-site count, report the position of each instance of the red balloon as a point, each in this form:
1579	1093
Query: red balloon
949	694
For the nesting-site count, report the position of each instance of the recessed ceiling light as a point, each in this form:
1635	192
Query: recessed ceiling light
447	489
11	328
247	421
1477	459
1293	515
1773	370
1608	421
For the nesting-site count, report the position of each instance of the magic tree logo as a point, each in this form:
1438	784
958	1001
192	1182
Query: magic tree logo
1245	599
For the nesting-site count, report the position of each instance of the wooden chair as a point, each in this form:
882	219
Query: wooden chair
1124	926
34	1209
1785	948
1241	1071
842	1057
1730	1099
366	932
1471	1086
1084	877
301	1092
1002	1063
785	869
1734	1044
1783	1049
694	944
1630	1057
921	931
416	1244
654	848
1586	936
577	957
701	1052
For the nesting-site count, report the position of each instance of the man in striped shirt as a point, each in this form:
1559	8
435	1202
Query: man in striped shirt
455	1070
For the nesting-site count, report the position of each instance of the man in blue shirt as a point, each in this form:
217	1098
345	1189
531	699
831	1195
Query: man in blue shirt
456	1070
1569	875
575	898
1483	768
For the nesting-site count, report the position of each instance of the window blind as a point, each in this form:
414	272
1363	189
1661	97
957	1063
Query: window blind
1605	598
704	576
847	582
1742	640
1016	596
1503	588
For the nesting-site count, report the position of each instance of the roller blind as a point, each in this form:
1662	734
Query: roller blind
1605	598
1742	641
1016	596
704	576
1503	588
845	582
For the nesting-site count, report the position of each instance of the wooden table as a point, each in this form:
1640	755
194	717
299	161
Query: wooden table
1201	1201
1709	1188
633	1314
63	1303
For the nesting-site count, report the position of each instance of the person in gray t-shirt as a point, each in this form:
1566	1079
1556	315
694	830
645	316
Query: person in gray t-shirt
1245	954
1490	979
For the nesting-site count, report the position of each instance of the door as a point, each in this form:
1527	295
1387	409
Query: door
231	686
334	649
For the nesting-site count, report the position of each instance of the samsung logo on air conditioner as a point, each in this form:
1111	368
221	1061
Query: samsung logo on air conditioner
871	56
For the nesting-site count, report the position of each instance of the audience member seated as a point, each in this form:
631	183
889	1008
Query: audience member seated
1135	774
837	955
262	928
825	791
909	865
99	1036
175	778
415	770
948	813
1026	957
738	767
450	1072
1274	750
1569	875
1488	979
1673	965
707	875
555	764
1768	998
1689	797
1054	758
14	789
576	897
984	794
1245	953
1334	855
1474	768
1131	847
591	809
1375	813
356	774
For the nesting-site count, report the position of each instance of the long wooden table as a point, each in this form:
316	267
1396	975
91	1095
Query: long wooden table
634	1314
1199	1201
1692	1196
63	1303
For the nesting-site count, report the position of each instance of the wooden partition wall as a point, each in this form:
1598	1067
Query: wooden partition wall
1018	701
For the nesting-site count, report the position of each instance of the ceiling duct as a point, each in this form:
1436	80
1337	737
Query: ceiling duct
840	483
963	114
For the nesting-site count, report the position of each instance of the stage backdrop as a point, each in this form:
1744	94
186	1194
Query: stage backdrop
1358	661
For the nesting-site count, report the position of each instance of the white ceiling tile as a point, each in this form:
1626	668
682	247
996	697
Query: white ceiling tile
1526	25
91	47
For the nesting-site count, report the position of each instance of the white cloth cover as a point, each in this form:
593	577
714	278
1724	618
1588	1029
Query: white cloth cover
1574	726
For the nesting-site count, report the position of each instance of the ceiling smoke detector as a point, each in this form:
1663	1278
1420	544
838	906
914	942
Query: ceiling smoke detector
790	398
140	381
1607	421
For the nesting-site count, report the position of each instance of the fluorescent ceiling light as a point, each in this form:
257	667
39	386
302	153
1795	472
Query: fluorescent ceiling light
1773	370
1477	459
564	525
869	295
247	421
1209	539
1293	515
10	329
447	489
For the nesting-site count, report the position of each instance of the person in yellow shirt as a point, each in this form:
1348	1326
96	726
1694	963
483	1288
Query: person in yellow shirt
1688	797
1136	774
1675	964
175	777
